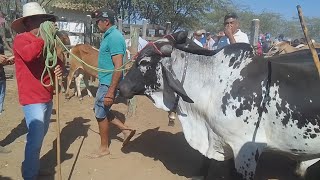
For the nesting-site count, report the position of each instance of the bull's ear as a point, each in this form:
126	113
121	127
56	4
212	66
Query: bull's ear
176	85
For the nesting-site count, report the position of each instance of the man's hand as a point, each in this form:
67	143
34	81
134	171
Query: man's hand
58	71
228	31
3	59
108	99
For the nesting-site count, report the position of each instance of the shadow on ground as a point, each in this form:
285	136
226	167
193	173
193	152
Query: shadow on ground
179	158
5	178
69	134
171	149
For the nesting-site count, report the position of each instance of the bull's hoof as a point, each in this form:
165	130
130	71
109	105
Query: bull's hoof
171	123
80	98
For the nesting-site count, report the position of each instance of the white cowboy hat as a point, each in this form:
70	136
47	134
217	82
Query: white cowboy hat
30	9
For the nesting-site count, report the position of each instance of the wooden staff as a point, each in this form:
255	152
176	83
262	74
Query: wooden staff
310	43
58	127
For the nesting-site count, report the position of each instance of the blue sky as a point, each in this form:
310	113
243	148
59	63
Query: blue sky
287	8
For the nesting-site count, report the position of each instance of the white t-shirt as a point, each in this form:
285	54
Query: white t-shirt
239	36
210	44
141	43
197	42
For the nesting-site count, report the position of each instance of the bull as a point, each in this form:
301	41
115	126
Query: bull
233	104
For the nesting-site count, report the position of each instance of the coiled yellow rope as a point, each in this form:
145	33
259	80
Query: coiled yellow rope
47	32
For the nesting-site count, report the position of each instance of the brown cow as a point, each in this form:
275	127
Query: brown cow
90	56
64	37
284	48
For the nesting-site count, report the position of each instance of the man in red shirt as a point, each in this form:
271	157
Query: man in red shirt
35	98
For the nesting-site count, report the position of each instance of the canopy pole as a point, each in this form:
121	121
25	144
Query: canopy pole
310	43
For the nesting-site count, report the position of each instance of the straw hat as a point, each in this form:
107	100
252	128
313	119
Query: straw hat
31	9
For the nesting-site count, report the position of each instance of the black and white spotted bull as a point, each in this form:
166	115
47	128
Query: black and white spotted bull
234	104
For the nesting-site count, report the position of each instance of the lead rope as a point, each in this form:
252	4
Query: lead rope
173	111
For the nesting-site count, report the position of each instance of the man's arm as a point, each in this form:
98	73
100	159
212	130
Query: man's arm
28	51
116	76
3	59
5	43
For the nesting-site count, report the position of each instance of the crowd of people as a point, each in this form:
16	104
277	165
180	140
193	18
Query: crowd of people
230	35
233	34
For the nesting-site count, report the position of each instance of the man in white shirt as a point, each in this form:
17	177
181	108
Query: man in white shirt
232	32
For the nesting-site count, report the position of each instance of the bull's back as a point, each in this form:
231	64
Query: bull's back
294	109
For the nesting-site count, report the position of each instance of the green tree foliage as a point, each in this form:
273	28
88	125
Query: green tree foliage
181	13
189	14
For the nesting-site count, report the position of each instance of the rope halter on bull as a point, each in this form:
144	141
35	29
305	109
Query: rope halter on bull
173	111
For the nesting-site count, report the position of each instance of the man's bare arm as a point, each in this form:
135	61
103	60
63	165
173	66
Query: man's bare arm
116	76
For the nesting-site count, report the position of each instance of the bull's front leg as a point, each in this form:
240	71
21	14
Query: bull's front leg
246	159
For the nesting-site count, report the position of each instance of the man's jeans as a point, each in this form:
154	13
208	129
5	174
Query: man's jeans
37	118
2	94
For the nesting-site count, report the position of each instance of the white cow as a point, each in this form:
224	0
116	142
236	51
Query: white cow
234	105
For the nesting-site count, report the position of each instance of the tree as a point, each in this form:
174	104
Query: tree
181	13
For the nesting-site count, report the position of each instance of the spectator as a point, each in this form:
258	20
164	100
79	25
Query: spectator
295	42
3	39
232	32
210	42
4	60
281	38
197	38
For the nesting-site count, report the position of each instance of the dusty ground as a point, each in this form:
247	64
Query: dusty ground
157	152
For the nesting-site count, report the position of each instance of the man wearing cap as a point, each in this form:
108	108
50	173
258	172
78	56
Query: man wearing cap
36	99
232	31
111	55
197	36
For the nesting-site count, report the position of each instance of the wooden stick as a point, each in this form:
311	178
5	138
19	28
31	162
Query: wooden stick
58	127
310	43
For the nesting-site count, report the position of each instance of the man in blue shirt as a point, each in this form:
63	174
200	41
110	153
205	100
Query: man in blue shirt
111	54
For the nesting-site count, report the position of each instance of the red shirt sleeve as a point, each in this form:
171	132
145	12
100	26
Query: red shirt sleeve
26	49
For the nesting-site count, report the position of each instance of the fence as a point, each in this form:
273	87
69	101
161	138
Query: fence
149	32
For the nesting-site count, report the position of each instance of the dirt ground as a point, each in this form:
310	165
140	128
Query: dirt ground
157	151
